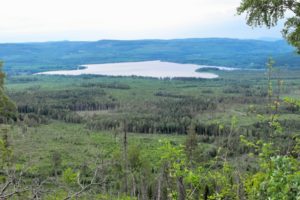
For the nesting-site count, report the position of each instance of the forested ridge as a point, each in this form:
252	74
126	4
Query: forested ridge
29	58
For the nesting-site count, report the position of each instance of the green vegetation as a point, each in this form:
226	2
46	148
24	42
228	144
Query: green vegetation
29	58
268	13
94	137
7	108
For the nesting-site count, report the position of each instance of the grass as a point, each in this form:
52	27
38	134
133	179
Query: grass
77	145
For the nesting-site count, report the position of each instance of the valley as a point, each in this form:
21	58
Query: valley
82	120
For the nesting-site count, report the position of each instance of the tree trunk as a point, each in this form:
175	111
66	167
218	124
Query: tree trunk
181	189
125	143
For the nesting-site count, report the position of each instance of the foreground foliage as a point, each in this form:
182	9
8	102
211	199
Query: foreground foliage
268	13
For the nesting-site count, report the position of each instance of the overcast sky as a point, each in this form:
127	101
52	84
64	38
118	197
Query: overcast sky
52	20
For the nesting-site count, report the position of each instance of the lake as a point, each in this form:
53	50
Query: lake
156	69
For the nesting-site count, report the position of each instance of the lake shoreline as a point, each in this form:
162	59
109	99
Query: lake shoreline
151	69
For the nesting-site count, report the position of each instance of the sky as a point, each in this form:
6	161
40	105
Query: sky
90	20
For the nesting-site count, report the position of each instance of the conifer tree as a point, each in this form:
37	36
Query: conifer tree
7	107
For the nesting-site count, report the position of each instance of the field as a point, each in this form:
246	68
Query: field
75	124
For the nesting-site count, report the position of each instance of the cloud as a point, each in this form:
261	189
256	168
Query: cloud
123	19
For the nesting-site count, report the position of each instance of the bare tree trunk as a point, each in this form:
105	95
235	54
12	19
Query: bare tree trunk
161	179
143	189
181	189
206	192
133	186
125	143
159	188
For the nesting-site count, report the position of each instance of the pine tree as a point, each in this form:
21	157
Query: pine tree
2	75
7	107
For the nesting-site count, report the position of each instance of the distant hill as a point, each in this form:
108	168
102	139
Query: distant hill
36	57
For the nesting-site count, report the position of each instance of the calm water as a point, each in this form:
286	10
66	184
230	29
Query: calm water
155	69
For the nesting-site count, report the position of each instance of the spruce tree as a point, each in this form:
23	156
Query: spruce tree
7	107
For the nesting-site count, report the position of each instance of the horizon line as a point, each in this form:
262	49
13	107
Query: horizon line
266	39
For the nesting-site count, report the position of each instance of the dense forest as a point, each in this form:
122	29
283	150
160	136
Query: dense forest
29	58
96	137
